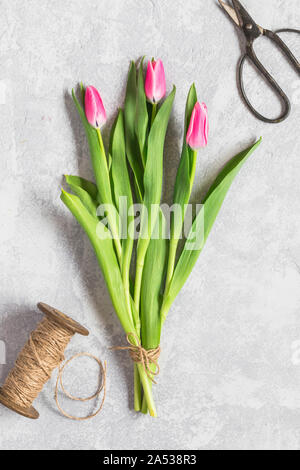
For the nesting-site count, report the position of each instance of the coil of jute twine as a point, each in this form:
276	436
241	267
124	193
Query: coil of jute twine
140	355
44	352
102	386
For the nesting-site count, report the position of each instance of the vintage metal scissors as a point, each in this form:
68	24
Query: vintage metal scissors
252	31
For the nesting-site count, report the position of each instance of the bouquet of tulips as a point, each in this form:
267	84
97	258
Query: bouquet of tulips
137	247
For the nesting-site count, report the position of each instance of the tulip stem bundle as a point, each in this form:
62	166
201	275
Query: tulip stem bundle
144	278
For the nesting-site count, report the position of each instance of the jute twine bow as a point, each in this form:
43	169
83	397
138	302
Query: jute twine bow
140	355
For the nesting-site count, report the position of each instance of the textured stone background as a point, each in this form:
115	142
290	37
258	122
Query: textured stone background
230	373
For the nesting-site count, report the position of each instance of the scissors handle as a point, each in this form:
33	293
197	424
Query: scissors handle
285	49
250	54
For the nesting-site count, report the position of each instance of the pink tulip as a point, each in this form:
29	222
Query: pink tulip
94	109
155	82
197	133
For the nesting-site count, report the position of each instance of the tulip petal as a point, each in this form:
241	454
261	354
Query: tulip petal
94	109
155	82
149	82
160	81
197	133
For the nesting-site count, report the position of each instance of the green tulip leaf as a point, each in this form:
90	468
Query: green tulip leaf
183	183
183	186
132	147
141	119
99	161
203	223
86	191
153	275
101	241
119	170
153	176
123	197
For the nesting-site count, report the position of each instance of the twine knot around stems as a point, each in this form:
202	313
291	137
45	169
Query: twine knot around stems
140	355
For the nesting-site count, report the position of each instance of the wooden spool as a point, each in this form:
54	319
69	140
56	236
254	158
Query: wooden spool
63	320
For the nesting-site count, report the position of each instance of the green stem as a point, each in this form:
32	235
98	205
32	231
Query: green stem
110	217
153	114
147	390
193	169
137	390
101	143
176	233
138	281
116	239
127	295
125	278
171	262
144	381
144	408
164	311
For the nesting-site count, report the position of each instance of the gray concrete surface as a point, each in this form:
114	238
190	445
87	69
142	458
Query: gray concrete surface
230	366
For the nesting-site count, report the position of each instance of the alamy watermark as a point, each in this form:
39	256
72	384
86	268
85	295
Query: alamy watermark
139	221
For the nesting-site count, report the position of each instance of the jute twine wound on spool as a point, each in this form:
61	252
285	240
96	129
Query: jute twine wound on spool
44	352
140	355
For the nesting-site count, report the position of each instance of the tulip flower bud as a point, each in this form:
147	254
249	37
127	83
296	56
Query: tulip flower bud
155	82
197	133
94	109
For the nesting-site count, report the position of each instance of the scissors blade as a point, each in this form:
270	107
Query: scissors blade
250	28
242	19
230	11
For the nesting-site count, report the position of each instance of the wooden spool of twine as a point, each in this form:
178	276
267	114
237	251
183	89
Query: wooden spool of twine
43	352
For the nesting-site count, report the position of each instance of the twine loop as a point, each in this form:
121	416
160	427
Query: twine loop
140	355
102	386
44	352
